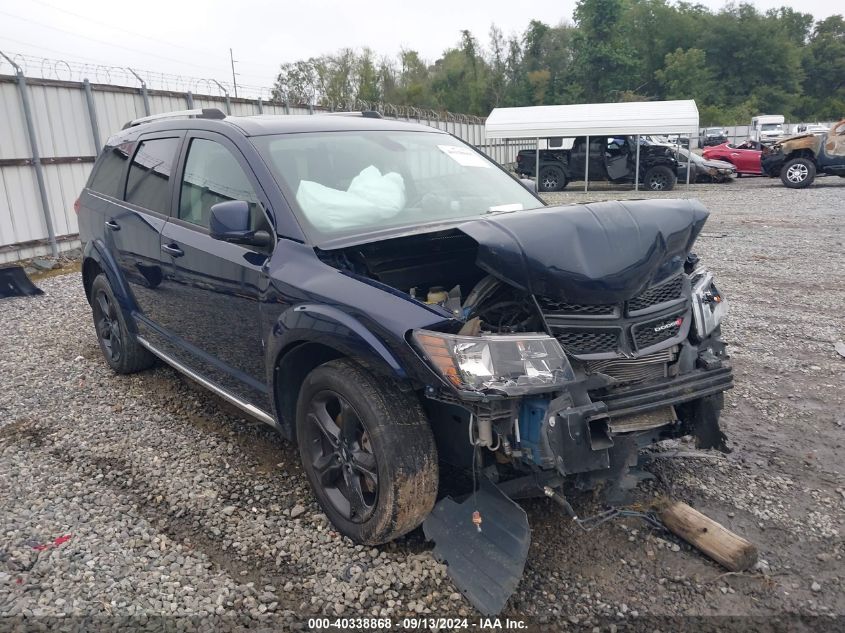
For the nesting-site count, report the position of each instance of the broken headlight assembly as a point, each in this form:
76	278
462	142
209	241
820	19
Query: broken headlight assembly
709	307
507	364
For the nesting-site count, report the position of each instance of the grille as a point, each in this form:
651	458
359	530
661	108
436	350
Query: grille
591	342
645	334
633	370
553	306
672	289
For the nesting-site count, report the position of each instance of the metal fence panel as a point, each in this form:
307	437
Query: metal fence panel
13	141
64	182
20	217
114	109
61	121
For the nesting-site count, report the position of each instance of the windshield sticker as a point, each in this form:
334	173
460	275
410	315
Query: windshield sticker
516	206
464	156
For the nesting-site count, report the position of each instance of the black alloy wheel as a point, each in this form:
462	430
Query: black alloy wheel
108	326
341	455
121	349
368	451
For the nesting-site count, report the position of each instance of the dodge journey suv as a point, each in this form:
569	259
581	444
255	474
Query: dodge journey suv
397	304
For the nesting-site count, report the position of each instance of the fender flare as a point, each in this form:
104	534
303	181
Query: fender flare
323	333
97	252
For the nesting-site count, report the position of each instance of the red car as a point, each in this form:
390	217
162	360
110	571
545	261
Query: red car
745	157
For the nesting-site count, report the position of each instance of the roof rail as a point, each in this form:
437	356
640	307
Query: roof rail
367	114
198	113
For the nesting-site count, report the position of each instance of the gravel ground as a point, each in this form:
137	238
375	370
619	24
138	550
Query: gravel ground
145	496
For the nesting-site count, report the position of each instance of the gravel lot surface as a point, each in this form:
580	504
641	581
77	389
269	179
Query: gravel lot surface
144	495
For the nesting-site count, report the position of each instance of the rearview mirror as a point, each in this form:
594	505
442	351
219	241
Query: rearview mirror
231	221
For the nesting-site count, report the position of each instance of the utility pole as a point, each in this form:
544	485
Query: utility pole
234	81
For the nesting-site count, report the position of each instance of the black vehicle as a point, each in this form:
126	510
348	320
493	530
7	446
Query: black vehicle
393	301
712	136
612	158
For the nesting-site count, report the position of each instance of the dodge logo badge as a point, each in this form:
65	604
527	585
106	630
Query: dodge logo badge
670	324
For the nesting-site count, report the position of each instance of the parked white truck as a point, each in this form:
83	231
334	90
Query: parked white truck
766	126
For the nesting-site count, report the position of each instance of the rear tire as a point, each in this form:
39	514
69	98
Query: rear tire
368	452
659	178
798	173
552	178
120	348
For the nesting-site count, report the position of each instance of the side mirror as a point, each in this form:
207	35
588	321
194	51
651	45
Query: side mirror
230	222
529	183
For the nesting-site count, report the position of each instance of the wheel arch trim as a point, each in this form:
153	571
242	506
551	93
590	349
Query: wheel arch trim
308	335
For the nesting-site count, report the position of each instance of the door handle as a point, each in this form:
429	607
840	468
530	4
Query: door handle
172	249
111	224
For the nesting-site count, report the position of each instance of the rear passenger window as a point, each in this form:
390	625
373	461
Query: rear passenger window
212	175
107	176
148	184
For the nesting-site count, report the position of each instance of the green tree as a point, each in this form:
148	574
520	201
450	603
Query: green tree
824	66
604	60
686	75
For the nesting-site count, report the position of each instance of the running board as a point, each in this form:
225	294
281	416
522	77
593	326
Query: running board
227	396
485	564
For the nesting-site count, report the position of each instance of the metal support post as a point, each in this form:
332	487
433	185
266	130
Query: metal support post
144	94
537	168
190	99
587	166
260	106
226	94
637	172
92	115
36	158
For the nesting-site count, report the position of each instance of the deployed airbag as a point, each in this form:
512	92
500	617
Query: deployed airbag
603	252
369	198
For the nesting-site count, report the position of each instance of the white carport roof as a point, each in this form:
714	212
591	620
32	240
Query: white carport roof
594	119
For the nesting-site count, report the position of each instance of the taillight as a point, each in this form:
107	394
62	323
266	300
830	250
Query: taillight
76	206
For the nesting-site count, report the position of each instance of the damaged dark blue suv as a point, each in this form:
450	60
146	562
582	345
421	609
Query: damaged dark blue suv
393	301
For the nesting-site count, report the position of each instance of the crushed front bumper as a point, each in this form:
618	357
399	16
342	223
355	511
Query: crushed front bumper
582	438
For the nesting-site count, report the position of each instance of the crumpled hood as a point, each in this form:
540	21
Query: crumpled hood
602	252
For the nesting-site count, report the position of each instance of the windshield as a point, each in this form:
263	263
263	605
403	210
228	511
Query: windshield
771	126
347	183
714	131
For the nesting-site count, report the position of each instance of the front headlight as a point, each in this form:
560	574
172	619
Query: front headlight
510	364
709	307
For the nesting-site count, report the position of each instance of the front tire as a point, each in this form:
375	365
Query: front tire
798	173
659	178
552	179
120	348
368	452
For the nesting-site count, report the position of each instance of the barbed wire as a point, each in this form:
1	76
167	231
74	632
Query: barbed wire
124	76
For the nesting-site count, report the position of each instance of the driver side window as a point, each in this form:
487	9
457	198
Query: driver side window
212	175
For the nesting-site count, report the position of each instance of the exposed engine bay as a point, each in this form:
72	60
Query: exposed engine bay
569	342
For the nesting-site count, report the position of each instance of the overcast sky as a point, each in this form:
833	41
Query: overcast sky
193	38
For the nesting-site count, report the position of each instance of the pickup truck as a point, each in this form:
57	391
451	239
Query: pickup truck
612	158
798	159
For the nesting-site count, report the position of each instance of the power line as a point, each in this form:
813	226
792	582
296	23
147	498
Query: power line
93	39
147	37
